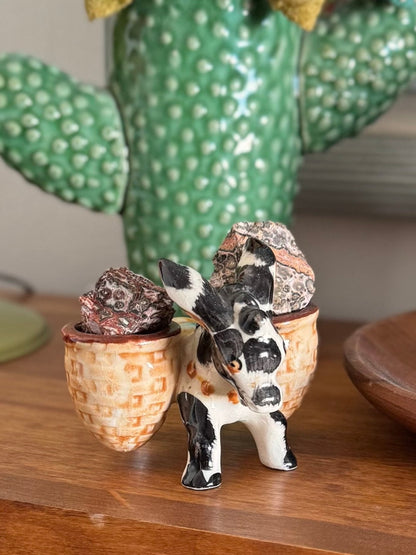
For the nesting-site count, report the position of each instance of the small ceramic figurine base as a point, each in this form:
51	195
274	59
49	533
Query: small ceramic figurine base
121	385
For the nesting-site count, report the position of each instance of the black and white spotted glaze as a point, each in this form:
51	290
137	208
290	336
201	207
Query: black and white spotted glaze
231	364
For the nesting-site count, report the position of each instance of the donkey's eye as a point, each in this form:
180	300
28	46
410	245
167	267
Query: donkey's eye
245	298
250	319
234	366
230	344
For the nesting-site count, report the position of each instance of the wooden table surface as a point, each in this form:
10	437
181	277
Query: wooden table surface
62	492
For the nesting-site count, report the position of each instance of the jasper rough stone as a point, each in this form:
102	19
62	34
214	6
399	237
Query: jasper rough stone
125	303
294	280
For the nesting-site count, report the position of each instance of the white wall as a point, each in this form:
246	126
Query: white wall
365	268
56	246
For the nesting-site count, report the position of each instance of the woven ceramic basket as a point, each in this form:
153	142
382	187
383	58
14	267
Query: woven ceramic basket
296	372
121	386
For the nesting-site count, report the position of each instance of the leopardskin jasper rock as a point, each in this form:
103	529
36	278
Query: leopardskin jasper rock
125	303
294	278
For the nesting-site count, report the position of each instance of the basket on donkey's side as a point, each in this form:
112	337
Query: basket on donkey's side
122	386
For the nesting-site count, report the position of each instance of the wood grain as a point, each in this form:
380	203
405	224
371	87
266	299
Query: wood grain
61	491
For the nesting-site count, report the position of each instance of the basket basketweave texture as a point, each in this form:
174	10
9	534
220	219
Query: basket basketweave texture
296	372
121	386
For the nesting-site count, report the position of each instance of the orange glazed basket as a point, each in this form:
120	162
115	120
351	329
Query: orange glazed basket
296	372
121	386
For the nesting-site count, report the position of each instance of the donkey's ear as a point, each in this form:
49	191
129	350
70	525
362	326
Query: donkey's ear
256	271
189	290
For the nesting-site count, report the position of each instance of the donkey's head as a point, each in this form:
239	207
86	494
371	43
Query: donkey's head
245	347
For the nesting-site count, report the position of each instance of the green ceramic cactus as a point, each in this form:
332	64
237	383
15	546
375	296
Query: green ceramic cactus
209	109
62	135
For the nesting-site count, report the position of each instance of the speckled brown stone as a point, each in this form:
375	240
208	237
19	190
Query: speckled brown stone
125	303
294	280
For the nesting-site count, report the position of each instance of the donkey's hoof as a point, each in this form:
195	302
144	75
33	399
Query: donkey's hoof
199	481
290	462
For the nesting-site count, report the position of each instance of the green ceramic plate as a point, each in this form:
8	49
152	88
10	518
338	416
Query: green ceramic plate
21	330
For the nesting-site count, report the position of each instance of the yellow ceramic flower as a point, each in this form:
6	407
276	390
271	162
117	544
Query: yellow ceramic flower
302	12
104	8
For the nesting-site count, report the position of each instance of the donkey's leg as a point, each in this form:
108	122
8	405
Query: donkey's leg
203	470
269	432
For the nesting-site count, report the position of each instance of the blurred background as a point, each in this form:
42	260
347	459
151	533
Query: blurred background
355	218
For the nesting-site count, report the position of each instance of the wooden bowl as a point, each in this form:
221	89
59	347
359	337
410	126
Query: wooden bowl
380	359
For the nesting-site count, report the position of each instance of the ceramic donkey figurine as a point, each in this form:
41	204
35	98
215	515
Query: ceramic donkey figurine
235	343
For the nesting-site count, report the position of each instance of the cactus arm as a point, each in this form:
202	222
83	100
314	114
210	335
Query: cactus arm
63	136
352	68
